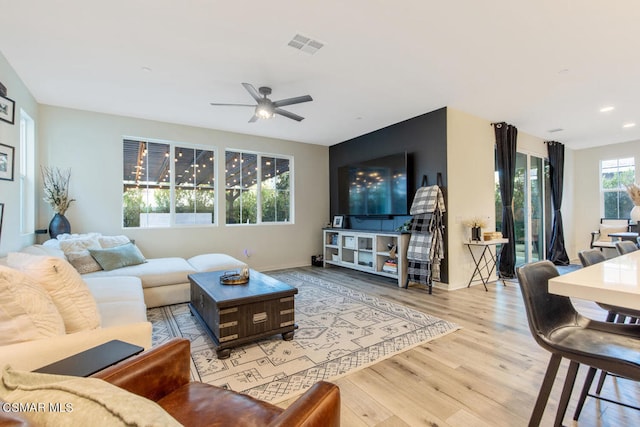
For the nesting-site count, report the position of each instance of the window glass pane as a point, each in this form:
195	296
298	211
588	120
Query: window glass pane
241	184
194	186
615	176
144	202
283	188
245	174
147	169
276	195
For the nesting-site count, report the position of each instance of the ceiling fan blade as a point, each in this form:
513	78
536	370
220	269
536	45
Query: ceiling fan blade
252	91
290	101
253	119
288	114
231	105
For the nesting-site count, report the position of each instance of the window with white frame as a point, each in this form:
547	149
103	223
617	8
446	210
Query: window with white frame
166	184
258	188
27	173
614	176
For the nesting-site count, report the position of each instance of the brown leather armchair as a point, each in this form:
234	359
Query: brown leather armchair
162	374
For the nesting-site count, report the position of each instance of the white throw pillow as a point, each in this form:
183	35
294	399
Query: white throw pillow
65	286
112	241
76	249
26	310
79	244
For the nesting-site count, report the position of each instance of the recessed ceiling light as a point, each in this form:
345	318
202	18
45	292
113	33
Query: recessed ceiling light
628	125
146	69
607	109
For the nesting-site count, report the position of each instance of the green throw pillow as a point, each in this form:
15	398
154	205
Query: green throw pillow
60	400
118	257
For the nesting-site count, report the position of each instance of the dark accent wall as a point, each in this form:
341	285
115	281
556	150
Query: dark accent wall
424	138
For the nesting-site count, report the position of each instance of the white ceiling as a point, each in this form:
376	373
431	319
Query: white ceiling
537	64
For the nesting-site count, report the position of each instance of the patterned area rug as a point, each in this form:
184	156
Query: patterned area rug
339	331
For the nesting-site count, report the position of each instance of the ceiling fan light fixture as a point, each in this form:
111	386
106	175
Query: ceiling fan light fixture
264	112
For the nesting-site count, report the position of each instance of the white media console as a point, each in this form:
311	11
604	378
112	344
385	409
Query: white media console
367	251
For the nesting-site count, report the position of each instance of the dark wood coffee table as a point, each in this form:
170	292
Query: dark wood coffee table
237	314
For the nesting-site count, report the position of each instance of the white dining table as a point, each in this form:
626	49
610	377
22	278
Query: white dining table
615	281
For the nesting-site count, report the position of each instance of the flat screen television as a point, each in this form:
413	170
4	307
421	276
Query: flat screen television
374	187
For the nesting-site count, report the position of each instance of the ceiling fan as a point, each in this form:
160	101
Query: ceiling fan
266	108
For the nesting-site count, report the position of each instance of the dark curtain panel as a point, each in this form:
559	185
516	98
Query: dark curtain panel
556	252
506	136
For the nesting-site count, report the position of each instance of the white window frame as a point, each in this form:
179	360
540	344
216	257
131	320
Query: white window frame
172	185
27	173
612	190
259	155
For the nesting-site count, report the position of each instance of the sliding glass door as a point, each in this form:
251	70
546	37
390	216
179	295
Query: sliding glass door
531	208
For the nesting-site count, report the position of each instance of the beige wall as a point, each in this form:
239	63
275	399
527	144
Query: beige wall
470	175
586	178
91	145
470	165
11	238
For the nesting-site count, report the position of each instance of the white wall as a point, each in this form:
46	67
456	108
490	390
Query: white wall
586	178
91	145
11	239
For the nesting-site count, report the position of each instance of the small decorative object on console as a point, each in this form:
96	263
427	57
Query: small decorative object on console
235	277
492	235
476	224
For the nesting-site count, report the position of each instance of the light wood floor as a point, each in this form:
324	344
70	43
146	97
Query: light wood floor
486	374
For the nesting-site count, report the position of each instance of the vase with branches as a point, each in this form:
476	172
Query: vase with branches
633	190
56	194
476	224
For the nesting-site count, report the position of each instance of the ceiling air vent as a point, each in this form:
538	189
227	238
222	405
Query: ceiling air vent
305	44
555	130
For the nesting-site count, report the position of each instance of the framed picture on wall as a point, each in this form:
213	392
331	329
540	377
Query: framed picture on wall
7	156
1	215
338	221
7	109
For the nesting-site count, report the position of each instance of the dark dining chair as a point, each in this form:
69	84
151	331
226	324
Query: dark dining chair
614	314
625	247
560	329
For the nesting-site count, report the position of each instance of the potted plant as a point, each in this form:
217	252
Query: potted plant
56	194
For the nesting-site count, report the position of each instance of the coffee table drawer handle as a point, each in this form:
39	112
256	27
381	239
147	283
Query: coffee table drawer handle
260	317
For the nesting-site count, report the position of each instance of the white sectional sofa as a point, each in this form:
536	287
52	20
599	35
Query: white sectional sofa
122	316
164	280
122	296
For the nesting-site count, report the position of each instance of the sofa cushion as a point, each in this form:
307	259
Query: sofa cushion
44	251
83	401
199	401
215	262
154	272
27	312
65	286
120	299
118	256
